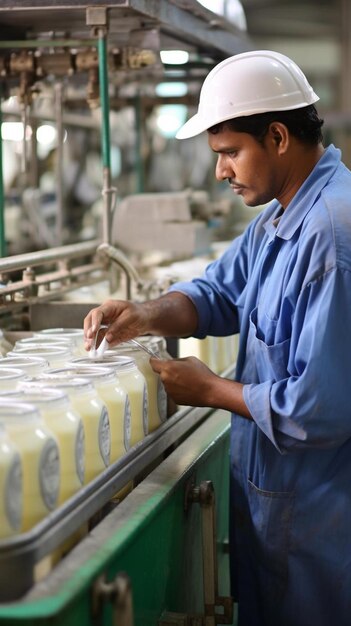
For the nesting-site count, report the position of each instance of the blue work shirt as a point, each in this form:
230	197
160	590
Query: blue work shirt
285	285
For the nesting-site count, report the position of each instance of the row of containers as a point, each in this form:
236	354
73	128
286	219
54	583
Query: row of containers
64	417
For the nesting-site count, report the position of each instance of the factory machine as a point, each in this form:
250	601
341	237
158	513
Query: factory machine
146	542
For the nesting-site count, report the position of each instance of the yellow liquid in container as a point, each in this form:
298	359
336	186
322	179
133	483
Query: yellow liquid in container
66	424
11	494
116	400
157	397
39	452
94	414
190	346
134	384
57	355
32	365
227	351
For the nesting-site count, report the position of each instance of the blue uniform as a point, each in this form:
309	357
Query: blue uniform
285	285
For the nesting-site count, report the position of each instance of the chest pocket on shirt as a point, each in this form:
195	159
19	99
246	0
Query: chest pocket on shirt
271	359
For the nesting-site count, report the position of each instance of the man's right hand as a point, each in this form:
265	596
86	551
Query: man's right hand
125	320
170	315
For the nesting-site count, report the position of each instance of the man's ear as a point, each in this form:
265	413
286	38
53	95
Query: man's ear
279	135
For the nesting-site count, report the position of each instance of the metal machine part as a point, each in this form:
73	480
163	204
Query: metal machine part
48	274
204	495
74	265
143	289
118	593
183	19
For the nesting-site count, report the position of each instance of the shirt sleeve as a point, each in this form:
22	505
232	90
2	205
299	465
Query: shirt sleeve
311	406
217	293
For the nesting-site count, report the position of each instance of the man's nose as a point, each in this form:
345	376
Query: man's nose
223	170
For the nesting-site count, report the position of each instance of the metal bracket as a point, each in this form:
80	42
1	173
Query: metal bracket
118	593
97	17
204	495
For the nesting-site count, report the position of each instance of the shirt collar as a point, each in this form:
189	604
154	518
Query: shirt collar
306	196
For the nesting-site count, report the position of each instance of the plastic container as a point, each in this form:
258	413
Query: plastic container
157	397
39	452
11	490
203	349
31	365
10	377
94	414
66	424
116	400
134	384
73	334
11	394
57	356
44	340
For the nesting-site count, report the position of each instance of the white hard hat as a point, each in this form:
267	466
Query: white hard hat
244	84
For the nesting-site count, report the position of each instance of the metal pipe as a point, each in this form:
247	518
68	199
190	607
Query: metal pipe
139	145
50	255
60	216
24	118
2	194
117	256
33	174
107	192
46	43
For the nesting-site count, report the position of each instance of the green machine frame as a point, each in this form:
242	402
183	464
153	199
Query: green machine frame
150	561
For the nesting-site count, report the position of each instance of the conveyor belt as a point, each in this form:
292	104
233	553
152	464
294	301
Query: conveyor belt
19	555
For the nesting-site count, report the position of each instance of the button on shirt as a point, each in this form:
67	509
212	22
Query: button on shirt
285	285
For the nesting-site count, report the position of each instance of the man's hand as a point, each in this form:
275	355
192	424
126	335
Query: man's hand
191	383
187	381
170	315
124	319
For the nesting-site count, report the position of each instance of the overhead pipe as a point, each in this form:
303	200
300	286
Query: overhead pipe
60	208
107	191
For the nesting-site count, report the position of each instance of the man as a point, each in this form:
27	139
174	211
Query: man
285	285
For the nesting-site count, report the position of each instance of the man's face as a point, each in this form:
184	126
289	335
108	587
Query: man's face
251	168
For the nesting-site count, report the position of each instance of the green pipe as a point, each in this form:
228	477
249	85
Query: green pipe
107	191
2	198
104	99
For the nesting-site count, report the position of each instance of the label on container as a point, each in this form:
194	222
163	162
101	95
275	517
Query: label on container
13	494
49	473
127	424
161	400
80	452
104	434
145	411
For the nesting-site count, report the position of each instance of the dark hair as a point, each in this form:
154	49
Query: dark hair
303	123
